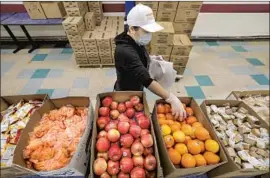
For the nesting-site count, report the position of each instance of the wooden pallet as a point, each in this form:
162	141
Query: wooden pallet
95	65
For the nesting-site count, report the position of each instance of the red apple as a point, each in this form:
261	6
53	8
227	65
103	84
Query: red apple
123	117
137	140
104	111
115	153
150	163
135	131
114	105
138	161
121	107
102	133
147	140
122	175
114	114
139	114
100	166
103	155
102	145
135	100
107	101
113	135
137	172
150	174
111	125
126	152
113	167
126	164
126	140
105	175
102	122
123	127
128	104
115	143
137	149
139	107
148	151
144	132
143	122
132	122
130	112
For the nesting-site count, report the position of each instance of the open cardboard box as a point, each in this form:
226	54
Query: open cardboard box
6	101
237	95
121	97
169	169
231	169
78	164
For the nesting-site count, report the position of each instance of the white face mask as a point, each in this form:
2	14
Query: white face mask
144	39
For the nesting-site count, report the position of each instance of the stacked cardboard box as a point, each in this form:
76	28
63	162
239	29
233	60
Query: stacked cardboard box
152	4
104	46
186	15
75	28
180	52
96	7
166	11
90	21
76	8
162	41
91	48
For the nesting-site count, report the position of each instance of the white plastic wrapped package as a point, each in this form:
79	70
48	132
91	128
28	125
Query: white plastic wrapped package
162	71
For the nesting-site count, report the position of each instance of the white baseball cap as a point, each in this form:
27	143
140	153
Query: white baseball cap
142	16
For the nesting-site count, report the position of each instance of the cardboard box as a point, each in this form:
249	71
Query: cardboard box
74	25
74	37
167	5
89	39
106	60
6	101
165	15
103	39
161	49
121	97
181	45
94	4
53	9
34	10
92	54
170	170
179	69
90	22
190	5
81	60
80	54
76	43
75	4
76	12
186	15
78	164
107	23
152	4
179	60
230	169
94	60
183	28
166	57
164	36
238	95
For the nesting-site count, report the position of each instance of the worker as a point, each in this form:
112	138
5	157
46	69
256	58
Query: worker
132	59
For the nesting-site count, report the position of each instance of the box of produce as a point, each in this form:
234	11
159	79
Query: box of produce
123	138
258	100
243	135
187	147
15	114
56	140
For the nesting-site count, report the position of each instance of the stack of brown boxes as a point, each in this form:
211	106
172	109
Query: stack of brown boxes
152	4
180	52
187	13
104	46
166	11
90	21
75	8
162	41
91	48
96	7
75	28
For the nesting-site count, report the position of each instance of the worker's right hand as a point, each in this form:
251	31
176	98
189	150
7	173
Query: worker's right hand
177	107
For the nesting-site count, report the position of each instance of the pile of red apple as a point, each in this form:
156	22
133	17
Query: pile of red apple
124	143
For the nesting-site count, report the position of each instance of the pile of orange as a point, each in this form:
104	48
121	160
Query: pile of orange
189	144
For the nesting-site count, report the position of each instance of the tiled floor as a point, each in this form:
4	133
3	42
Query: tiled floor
215	68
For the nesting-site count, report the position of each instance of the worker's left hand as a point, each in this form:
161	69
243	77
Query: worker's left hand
177	107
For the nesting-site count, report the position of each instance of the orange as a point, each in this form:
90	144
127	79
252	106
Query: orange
170	122
175	127
187	138
179	136
201	143
191	119
169	116
201	133
193	147
160	108
167	108
162	121
188	161
200	161
211	145
187	129
169	141
161	116
211	158
175	157
197	124
181	148
189	111
165	129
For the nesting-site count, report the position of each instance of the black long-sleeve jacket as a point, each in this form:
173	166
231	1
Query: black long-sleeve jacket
131	62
